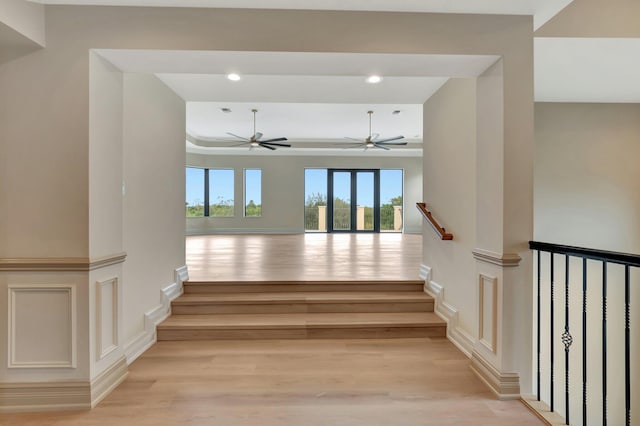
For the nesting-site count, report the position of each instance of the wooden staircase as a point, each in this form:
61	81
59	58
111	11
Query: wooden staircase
302	310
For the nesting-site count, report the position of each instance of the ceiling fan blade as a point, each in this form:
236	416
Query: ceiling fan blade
239	137
391	143
276	144
354	139
361	145
382	147
374	136
238	144
257	136
268	147
395	138
274	140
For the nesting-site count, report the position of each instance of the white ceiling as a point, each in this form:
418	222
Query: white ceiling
587	69
313	99
542	10
302	123
302	89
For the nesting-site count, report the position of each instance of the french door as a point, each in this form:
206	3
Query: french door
353	200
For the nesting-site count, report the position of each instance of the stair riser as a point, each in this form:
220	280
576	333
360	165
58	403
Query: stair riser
301	333
279	288
300	308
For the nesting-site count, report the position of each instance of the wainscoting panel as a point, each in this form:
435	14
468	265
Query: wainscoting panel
106	317
42	326
488	311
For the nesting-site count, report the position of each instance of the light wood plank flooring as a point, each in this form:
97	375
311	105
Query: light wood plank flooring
400	382
395	382
304	257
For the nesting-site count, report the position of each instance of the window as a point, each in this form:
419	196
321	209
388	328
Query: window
315	200
209	192
195	199
391	200
221	193
252	192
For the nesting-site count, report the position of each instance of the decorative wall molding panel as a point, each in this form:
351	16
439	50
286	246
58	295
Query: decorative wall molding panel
488	311
505	259
60	263
47	396
504	385
108	380
455	334
42	326
144	340
106	317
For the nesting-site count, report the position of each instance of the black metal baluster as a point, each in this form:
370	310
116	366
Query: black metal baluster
567	339
604	343
552	336
538	330
584	342
627	347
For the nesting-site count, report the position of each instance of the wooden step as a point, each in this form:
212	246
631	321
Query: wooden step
301	302
302	326
300	286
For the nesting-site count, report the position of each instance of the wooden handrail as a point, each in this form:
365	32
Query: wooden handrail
444	235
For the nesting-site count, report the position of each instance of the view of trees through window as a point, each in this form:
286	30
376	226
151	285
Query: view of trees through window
391	200
217	201
315	207
221	193
253	192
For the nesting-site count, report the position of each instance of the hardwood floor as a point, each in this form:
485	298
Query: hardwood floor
396	382
399	382
304	257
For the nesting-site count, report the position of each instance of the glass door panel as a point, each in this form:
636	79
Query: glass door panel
391	204
365	201
341	201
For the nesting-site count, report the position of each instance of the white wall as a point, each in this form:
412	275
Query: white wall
449	190
25	17
105	213
154	184
283	190
587	179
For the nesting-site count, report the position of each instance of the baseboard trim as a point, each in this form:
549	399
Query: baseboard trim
44	396
506	386
143	341
460	338
108	380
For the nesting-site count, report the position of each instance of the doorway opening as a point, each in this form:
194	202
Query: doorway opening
353	200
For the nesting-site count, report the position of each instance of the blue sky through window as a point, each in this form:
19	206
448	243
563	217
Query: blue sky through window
253	186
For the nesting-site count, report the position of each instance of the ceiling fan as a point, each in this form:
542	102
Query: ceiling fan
372	140
255	140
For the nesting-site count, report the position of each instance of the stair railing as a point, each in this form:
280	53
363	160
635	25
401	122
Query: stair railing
444	235
593	268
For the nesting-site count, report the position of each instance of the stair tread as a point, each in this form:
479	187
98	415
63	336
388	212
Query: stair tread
301	297
306	320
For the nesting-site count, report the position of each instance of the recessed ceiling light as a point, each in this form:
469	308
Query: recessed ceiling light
233	77
396	112
225	110
374	79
